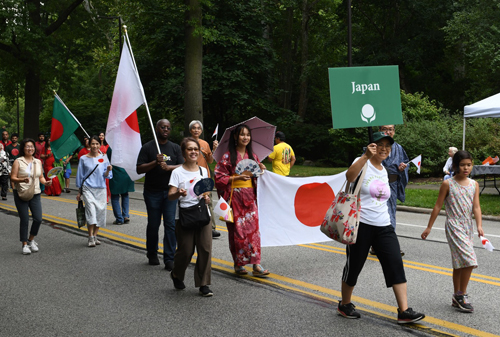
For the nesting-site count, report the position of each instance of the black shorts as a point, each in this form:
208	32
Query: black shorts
385	243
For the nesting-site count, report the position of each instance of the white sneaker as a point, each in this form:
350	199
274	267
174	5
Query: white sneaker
26	250
33	246
97	242
91	241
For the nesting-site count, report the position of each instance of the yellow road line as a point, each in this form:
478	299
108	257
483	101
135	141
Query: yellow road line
298	283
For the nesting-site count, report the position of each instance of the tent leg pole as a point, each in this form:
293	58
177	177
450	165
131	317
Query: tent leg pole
463	141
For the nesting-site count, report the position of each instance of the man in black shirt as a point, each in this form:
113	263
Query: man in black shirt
158	168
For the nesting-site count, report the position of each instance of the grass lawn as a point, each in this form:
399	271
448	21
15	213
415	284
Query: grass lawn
490	203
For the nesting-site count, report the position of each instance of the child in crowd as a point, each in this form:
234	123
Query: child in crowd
461	197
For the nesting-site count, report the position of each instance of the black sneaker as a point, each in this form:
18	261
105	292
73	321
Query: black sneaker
153	259
215	234
205	291
461	302
169	265
348	310
409	316
178	284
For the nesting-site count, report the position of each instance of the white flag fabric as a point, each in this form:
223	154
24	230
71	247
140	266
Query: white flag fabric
417	161
222	208
291	209
216	132
122	131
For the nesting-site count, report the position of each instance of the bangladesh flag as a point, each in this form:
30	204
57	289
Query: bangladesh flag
63	140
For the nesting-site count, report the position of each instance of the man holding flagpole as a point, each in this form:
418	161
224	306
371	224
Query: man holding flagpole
397	168
158	169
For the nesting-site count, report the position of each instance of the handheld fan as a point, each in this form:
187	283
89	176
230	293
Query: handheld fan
204	185
54	172
248	167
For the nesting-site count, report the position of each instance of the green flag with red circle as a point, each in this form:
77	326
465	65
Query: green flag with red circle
63	140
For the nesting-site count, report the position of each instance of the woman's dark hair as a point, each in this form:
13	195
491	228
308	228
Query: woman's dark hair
233	141
47	143
23	144
458	157
96	138
104	142
184	144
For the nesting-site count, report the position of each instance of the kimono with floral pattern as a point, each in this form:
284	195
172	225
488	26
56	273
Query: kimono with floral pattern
244	235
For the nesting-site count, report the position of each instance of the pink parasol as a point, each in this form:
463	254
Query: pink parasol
262	138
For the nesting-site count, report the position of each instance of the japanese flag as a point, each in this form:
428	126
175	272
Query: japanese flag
417	161
216	131
291	209
222	208
486	244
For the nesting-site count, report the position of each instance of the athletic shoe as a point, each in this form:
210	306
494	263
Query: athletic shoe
116	222
178	284
215	234
205	291
4	198
348	310
126	220
409	316
26	250
97	242
67	190
461	302
33	246
91	241
169	265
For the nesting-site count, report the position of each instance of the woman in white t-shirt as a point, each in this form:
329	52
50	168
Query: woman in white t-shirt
187	239
375	230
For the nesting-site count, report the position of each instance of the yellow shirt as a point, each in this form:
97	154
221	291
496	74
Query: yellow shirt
281	156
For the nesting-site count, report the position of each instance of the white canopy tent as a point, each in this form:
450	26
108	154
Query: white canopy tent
488	107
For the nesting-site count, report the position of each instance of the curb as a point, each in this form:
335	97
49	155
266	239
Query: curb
442	212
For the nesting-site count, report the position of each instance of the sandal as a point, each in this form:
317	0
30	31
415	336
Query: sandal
259	271
240	270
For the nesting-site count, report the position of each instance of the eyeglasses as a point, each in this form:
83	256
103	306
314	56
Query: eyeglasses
387	129
387	146
193	149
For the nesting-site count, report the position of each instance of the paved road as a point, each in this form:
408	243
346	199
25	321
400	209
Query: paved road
68	289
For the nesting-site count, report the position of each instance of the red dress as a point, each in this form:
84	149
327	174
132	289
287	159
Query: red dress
55	188
243	234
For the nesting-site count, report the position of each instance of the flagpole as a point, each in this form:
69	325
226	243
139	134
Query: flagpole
76	120
129	46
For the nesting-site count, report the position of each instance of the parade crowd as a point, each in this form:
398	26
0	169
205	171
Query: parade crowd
171	171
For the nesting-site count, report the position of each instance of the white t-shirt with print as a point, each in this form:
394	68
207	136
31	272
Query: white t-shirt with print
375	191
181	175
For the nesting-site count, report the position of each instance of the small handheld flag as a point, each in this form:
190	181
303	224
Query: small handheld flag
486	244
216	131
222	208
417	161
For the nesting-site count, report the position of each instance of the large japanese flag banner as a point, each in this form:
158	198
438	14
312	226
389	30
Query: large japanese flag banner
291	209
122	131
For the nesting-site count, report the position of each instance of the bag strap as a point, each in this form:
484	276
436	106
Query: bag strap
358	179
33	172
81	188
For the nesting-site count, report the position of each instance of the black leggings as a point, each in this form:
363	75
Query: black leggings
385	243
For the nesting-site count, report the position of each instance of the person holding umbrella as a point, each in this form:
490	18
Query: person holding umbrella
243	234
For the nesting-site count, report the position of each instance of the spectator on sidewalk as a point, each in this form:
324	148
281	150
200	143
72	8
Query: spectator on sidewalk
120	186
283	157
4	172
448	166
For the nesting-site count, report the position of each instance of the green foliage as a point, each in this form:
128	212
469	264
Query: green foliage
417	107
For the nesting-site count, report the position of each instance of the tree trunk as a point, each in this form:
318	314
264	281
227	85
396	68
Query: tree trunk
287	66
304	58
31	104
193	96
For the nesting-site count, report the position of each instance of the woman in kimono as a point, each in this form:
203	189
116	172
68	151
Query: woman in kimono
243	234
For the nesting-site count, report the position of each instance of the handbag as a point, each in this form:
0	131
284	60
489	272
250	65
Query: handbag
230	215
196	216
341	221
24	192
81	220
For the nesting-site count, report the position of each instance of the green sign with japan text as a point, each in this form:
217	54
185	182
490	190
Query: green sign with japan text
365	96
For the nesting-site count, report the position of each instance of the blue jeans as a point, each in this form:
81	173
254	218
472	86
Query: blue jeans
35	205
120	212
157	204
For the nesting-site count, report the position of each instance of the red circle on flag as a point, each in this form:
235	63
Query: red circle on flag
418	163
100	160
311	203
223	207
56	131
132	121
